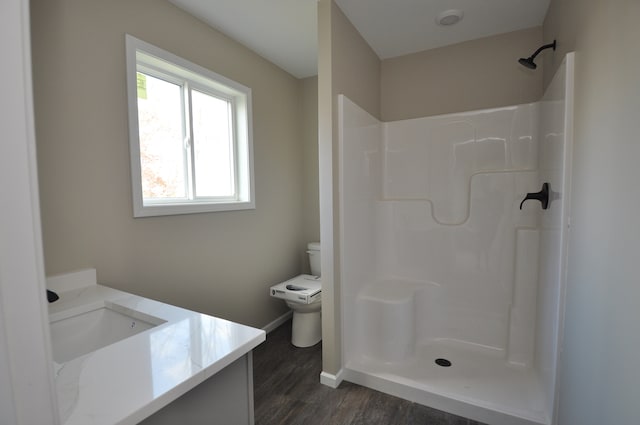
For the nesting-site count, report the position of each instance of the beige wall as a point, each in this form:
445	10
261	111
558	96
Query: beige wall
218	263
599	362
477	74
355	66
346	65
311	209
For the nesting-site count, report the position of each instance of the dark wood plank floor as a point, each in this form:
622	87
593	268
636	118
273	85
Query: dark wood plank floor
288	391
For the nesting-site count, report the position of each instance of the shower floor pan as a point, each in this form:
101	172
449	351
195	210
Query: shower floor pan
478	385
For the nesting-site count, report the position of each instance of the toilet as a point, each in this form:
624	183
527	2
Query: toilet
303	295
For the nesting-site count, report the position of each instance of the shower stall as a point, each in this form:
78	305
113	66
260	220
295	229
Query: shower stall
452	290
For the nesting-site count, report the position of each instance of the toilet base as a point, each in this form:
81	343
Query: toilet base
306	328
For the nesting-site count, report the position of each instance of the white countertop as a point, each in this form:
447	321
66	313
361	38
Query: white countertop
129	380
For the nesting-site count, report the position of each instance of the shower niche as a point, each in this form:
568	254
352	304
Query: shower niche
440	266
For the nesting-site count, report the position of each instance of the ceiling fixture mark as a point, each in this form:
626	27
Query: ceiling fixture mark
449	17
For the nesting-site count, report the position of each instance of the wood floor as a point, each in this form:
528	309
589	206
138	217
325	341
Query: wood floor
288	391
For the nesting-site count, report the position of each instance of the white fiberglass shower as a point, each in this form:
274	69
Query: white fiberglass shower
451	294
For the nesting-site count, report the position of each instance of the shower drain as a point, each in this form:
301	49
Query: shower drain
443	362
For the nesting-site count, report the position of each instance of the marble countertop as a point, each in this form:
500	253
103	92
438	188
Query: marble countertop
129	380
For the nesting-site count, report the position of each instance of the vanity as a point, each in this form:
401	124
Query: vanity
124	359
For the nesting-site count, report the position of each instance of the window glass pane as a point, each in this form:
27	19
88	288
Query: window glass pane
212	143
162	156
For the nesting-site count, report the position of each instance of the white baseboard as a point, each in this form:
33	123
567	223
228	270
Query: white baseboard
272	326
330	380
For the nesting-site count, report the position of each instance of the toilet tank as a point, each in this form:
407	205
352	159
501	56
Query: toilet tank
313	249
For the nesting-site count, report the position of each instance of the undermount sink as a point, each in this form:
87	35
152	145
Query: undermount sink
88	331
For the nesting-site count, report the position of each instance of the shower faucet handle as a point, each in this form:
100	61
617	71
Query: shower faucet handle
542	196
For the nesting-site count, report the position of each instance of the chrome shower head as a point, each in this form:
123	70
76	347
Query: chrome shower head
529	63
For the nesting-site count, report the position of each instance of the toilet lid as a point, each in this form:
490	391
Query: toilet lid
304	288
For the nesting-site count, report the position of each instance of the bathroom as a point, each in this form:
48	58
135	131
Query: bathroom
200	261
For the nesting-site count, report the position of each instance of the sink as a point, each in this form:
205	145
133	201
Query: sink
88	331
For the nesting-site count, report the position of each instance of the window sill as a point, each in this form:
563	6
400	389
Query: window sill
179	209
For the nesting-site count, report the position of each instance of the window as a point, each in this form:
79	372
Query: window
189	134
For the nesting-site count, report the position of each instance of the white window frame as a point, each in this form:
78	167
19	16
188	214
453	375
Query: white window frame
158	62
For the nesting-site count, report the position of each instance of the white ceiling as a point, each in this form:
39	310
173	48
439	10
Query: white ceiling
285	31
282	31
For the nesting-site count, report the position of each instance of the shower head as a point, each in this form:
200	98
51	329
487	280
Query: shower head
529	63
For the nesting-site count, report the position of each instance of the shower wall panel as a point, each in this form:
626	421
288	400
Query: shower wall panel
360	184
434	158
430	210
556	145
466	272
452	185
